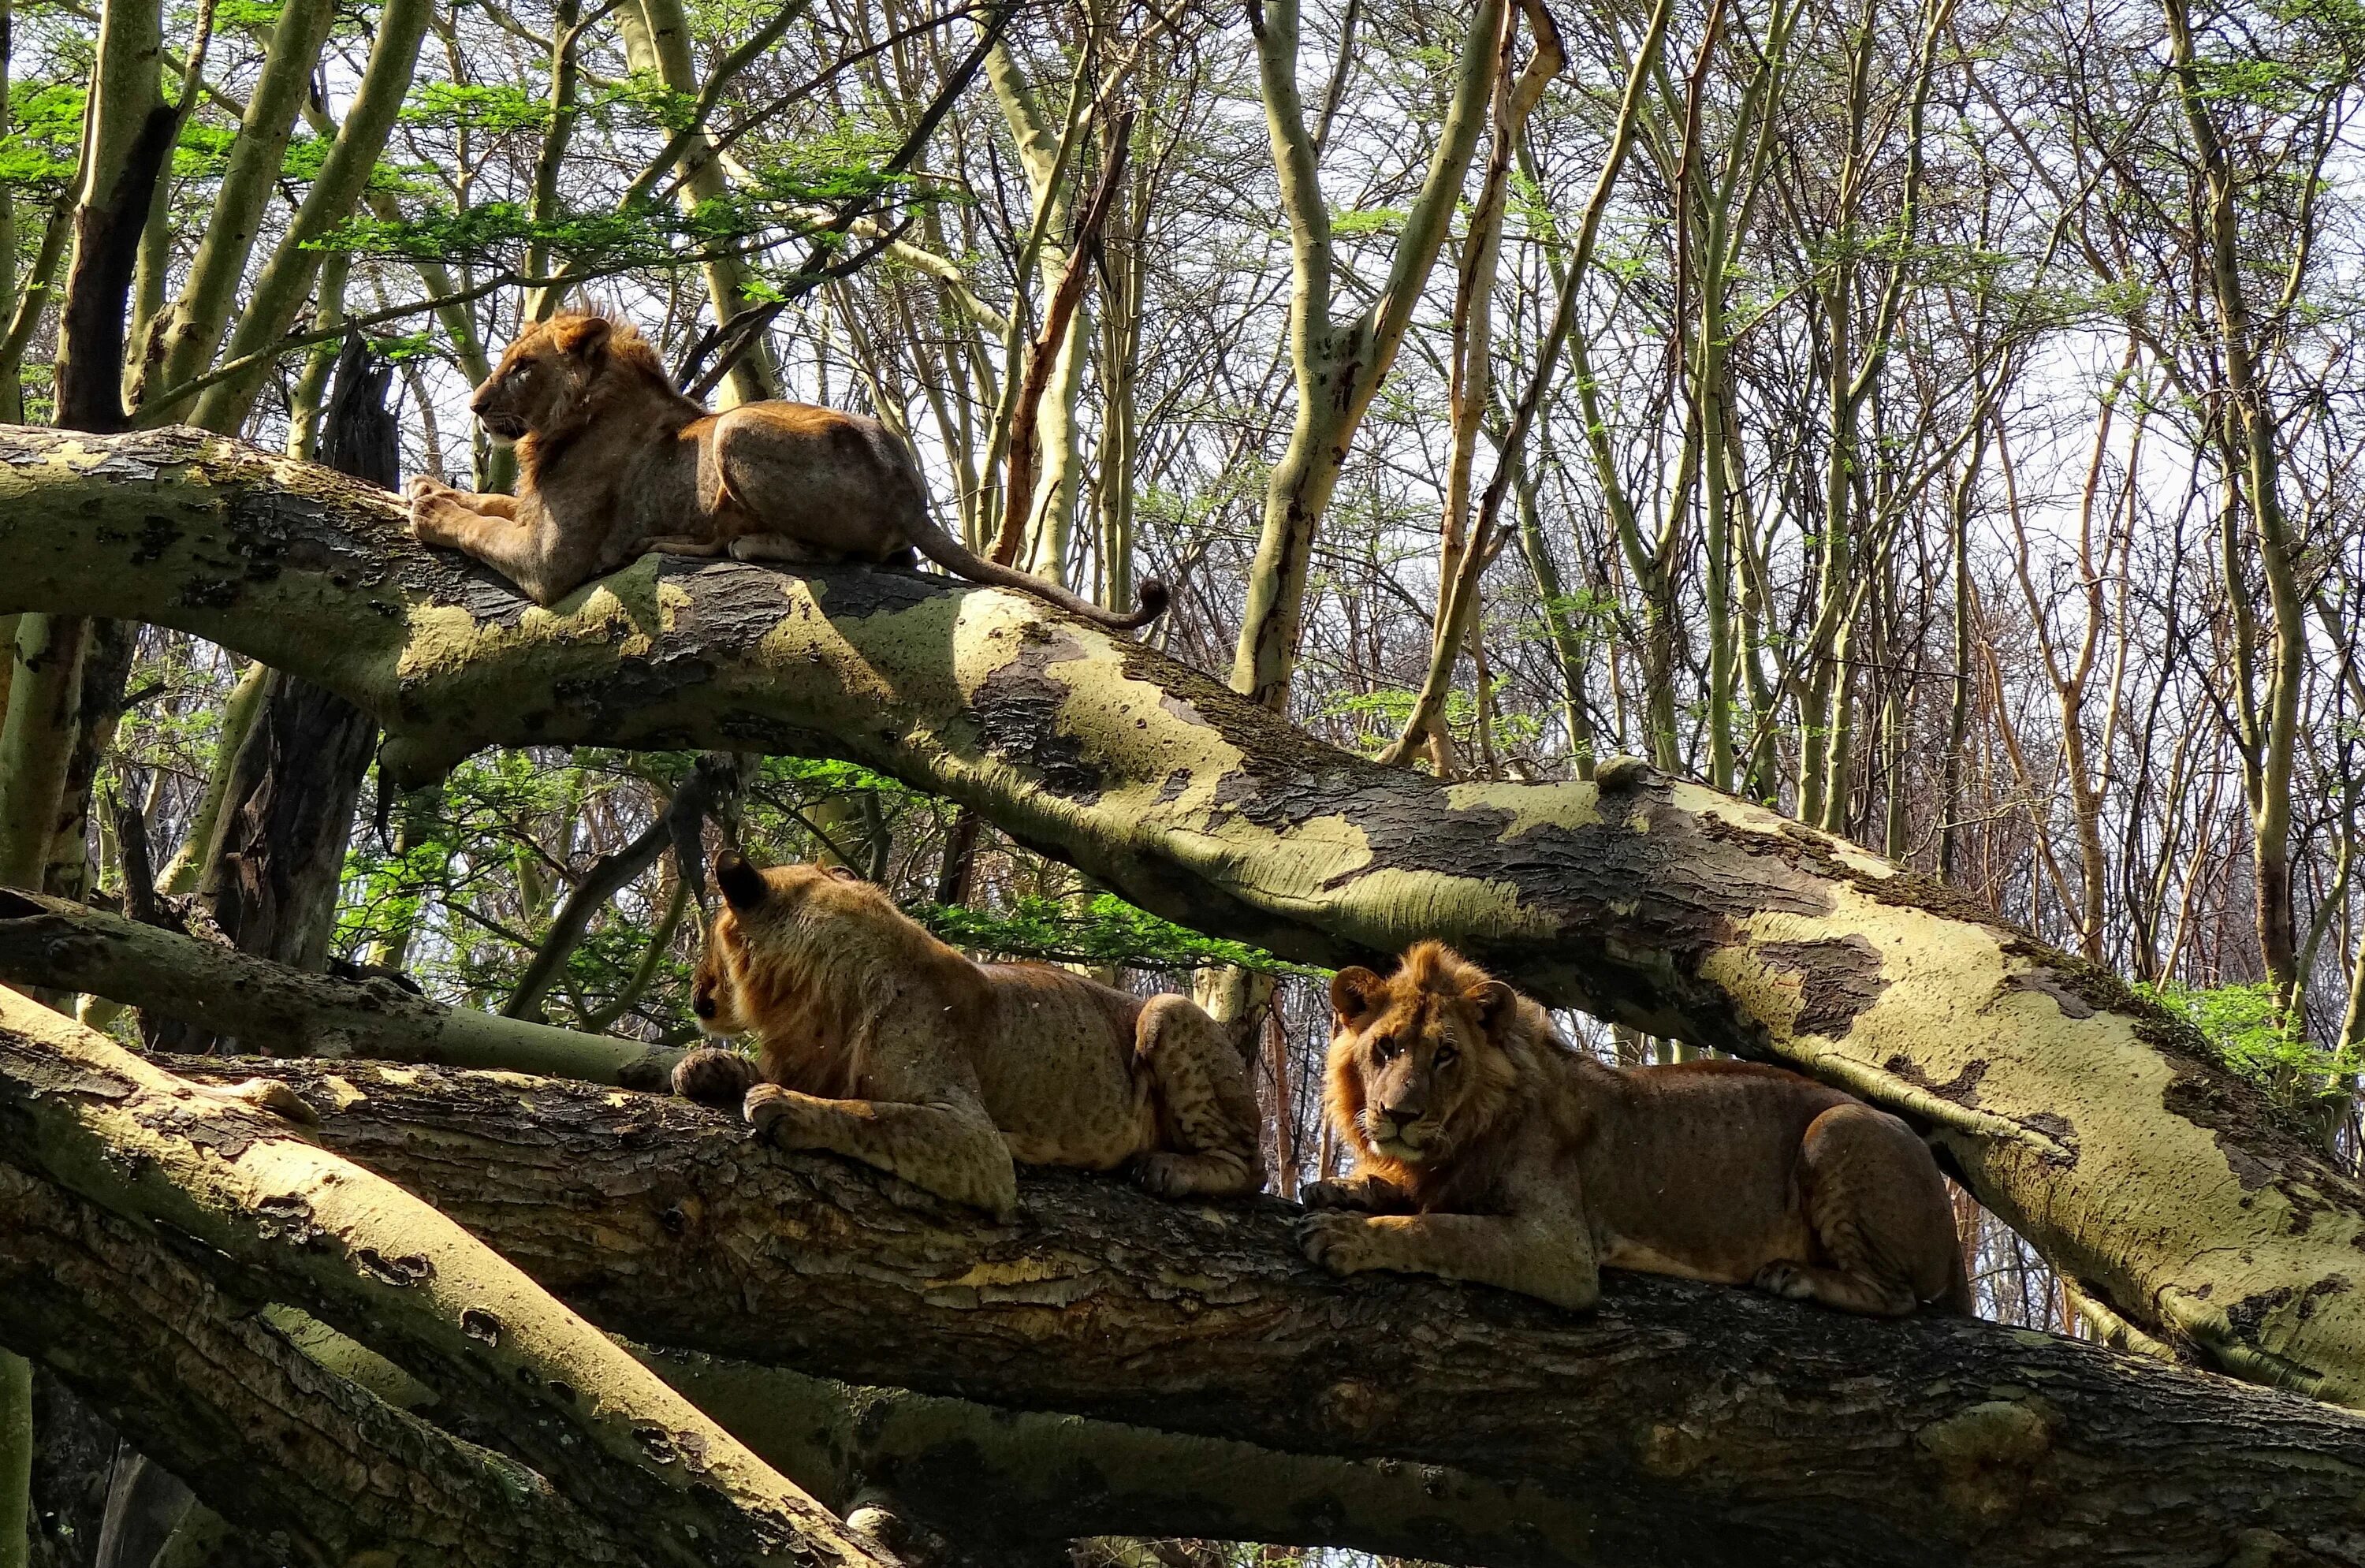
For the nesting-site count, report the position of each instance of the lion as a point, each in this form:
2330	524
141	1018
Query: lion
614	463
876	1041
1488	1149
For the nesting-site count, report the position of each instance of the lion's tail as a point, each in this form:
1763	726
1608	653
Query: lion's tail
928	536
946	551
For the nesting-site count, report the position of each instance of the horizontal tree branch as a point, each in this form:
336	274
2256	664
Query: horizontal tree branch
265	1214
70	946
1681	1423
2100	1126
1020	1478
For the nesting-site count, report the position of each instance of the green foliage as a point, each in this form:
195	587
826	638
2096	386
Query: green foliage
246	15
1105	931
2243	1023
647	92
1358	221
1588	611
648	234
497	108
42	148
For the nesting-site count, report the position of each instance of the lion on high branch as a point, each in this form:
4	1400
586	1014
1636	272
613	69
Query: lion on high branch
614	463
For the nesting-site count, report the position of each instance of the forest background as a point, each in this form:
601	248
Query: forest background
1921	420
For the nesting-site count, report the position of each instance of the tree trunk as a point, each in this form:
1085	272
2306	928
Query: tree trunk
1680	1423
2097	1124
294	779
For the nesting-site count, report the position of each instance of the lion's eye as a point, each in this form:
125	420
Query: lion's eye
1385	1049
1446	1056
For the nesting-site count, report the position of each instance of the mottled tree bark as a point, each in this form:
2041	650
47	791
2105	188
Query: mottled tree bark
297	776
1679	1424
2097	1124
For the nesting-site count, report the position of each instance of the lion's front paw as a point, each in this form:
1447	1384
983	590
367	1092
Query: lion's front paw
419	486
1340	1242
774	1114
712	1076
1783	1280
1166	1175
1361	1197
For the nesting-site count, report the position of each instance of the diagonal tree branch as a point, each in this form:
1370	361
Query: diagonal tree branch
277	1008
269	1215
2098	1126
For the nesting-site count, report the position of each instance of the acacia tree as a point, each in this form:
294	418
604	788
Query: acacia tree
1649	900
864	202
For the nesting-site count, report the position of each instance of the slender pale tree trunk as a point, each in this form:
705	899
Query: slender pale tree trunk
657	38
285	281
2251	437
1462	553
1338	366
1827	737
180	343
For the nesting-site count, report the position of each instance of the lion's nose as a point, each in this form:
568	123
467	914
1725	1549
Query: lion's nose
702	1004
1402	1115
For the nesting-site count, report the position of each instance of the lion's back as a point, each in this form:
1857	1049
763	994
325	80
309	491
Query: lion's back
840	481
1054	1062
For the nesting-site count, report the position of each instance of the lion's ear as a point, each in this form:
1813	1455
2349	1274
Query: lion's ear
1497	1005
1356	995
847	874
586	337
743	885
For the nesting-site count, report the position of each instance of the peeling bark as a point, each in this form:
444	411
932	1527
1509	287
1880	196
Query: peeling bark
2100	1126
1680	1424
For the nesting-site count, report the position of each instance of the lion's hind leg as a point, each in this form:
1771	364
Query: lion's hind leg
1879	1214
1205	1105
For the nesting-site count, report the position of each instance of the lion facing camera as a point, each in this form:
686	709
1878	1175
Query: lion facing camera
876	1041
1487	1150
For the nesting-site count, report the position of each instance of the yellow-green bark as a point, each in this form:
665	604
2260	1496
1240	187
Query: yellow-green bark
2139	1166
384	1267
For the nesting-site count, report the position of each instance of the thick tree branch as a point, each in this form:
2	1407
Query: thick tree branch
279	1009
191	1375
271	1216
2100	1126
1681	1423
1032	1478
